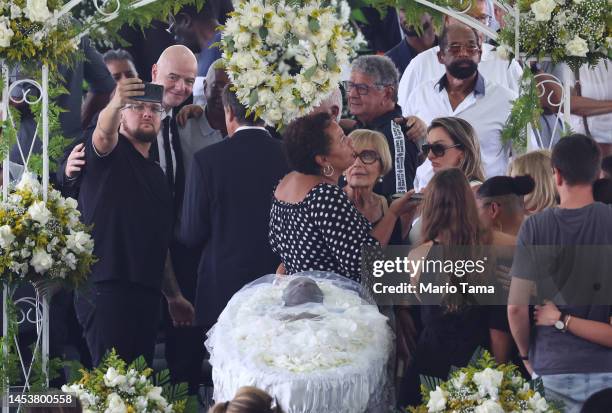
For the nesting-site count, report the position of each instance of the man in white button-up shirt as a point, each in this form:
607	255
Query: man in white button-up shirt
465	93
425	66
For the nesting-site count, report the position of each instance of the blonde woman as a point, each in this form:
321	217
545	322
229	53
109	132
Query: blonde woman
372	162
537	165
248	400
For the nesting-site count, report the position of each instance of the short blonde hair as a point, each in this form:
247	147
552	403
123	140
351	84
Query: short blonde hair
365	137
248	399
537	165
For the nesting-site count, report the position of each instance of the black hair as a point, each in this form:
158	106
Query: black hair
577	159
606	165
443	41
117	54
211	10
304	139
230	100
602	190
506	185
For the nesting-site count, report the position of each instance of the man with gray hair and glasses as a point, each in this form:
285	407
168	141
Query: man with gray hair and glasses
372	99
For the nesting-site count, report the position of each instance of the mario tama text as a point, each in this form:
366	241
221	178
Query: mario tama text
430	275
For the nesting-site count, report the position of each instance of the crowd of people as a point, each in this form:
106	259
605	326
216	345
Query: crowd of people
191	198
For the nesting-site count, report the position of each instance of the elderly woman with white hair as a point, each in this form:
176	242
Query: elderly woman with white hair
372	99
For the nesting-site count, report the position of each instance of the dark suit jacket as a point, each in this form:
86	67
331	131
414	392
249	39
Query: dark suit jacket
226	211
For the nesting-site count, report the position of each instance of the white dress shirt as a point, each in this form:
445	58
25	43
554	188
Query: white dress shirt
596	83
486	109
425	67
160	145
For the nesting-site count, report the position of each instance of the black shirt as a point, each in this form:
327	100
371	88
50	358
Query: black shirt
127	199
382	124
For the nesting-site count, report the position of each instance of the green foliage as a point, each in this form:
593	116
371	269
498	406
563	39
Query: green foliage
9	361
525	112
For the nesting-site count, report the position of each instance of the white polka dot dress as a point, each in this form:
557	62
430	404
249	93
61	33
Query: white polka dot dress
323	232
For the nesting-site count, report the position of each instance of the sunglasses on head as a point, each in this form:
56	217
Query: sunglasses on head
368	156
437	148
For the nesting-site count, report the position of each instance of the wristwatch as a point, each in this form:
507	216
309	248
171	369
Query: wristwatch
560	323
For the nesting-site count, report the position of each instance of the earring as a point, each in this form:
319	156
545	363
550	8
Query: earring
328	170
380	179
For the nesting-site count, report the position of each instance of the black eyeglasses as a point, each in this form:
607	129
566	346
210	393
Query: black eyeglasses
368	156
437	149
361	88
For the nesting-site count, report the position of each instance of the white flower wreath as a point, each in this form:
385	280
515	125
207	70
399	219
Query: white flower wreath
283	59
570	31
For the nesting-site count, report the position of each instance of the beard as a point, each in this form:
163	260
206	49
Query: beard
144	136
462	69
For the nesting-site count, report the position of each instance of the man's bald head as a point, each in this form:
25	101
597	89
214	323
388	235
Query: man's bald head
176	70
214	83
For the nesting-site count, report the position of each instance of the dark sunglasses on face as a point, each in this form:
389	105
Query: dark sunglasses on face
437	148
368	156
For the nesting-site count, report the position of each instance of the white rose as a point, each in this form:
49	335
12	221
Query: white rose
6	236
489	406
307	90
39	213
243	60
255	21
79	242
71	203
37	11
70	260
561	18
504	51
274	115
577	47
155	395
488	382
265	96
242	39
115	404
300	26
41	261
538	403
278	27
15	11
28	182
112	378
437	400
6	34
542	9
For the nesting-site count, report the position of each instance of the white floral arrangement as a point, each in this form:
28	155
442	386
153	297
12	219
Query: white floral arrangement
576	32
116	387
483	387
36	31
284	59
42	241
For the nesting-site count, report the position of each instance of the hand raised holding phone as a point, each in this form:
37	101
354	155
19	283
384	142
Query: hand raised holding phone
126	91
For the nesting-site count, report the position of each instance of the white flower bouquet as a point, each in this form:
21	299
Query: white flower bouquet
42	241
284	59
36	31
482	387
116	387
576	32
